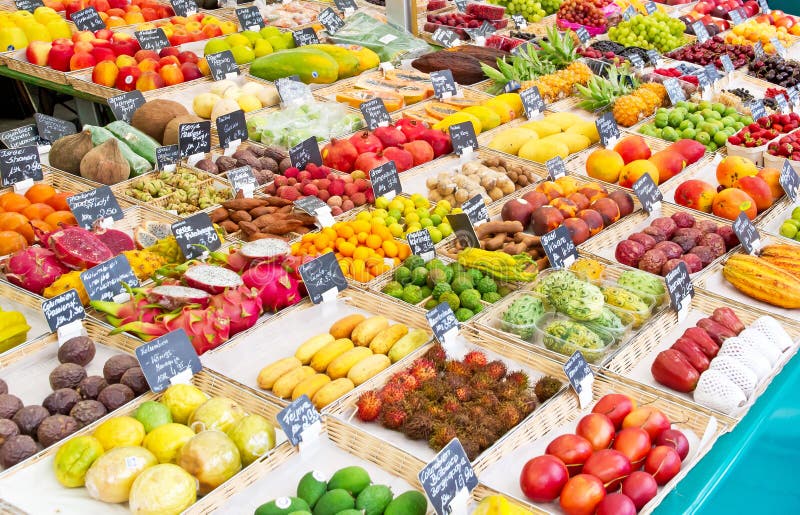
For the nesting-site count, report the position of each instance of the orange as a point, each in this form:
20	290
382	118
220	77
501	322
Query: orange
347	248
361	226
11	242
374	241
59	201
60	218
361	253
40	193
362	236
403	251
38	211
13	202
329	232
345	231
389	248
18	223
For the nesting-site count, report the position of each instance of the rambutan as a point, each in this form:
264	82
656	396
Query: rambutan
414	402
546	387
471	447
461	420
437	355
419	426
463	393
519	379
369	406
508	414
423	369
405	381
496	369
442	434
450	404
434	390
526	403
391	394
457	368
475	358
436	412
481	381
487	401
506	391
393	416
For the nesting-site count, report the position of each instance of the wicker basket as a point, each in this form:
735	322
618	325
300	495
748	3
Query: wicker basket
644	346
328	93
564	410
214	386
63	181
218	359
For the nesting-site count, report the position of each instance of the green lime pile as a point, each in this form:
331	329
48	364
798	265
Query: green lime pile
464	289
790	228
705	122
348	492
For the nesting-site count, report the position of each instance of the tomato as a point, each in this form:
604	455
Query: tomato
543	477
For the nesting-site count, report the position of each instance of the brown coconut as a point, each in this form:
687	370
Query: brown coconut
152	118
171	131
67	152
105	164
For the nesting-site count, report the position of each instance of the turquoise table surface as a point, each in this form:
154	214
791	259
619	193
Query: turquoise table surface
751	469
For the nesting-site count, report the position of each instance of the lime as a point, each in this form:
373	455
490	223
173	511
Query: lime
788	230
152	414
445	229
796	213
165	441
120	432
396	230
436	234
183	399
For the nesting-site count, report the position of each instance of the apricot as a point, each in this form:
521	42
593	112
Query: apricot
40	193
58	201
13	202
733	168
604	165
729	202
18	223
37	211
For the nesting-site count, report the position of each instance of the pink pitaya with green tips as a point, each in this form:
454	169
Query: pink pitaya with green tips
138	309
34	269
241	305
207	328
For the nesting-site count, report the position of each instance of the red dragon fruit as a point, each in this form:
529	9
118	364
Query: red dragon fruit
242	305
210	278
76	248
207	328
276	286
115	240
172	297
145	331
271	250
138	309
34	269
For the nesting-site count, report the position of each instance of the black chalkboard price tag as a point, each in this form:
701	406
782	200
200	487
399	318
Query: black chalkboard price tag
476	210
629	13
444	85
674	91
736	17
783	104
464	230
310	204
87	19
105	281
747	233
28	5
461	5
375	113
636	60
385	180
323	278
250	18
290	89
305	152
650	196
680	289
305	36
184	7
727	64
63	309
348	7
20	136
580	377
555	168
152	39
757	109
297	418
195	235
650	7
608	129
51	129
421	244
519	21
242	179
19	164
758	50
90	206
445	37
167	157
231	128
167	360
123	106
583	35
790	181
449	479
653	57
222	65
443	322
700	31
532	102
330	20
559	247
194	138
463	137
764	6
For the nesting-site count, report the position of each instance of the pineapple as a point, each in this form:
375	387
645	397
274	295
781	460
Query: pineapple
629	109
68	281
650	99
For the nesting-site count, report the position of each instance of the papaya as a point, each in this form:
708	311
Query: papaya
440	110
311	65
348	63
367	59
355	97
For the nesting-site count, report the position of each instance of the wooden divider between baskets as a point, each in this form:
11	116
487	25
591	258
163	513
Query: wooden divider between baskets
781	211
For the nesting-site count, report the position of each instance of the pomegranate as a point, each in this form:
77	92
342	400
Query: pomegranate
340	155
439	140
368	161
390	136
543	477
365	141
411	128
403	159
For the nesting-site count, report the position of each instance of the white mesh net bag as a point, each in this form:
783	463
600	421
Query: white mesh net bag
741	376
774	331
761	344
714	390
741	351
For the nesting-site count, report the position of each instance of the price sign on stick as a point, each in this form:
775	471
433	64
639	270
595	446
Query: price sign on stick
680	289
323	278
167	360
580	377
105	281
93	205
299	419
747	234
20	164
123	106
449	479
195	234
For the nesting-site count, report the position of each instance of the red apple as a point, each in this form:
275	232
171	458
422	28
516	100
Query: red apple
572	450
615	406
60	56
190	71
543	478
598	429
38	52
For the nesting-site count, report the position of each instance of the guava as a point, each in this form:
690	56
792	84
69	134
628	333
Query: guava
164	489
211	457
254	436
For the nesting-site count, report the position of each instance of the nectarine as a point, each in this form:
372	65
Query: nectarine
696	194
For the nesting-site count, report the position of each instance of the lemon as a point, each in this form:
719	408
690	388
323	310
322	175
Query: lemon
238	39
412	218
214	46
444	205
152	414
252	36
263	47
182	400
248	103
165	441
243	54
396	204
120	432
396	230
420	201
445	229
436	234
382	202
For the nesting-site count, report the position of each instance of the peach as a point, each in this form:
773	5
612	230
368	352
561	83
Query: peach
191	71
632	171
578	230
624	202
545	219
84	35
105	73
696	194
608	209
149	80
669	163
127	77
632	148
729	202
148	65
169	59
536	199
80	60
772	176
171	74
567	207
83	46
604	165
593	191
733	168
593	219
580	200
569	185
758	189
141	55
125	60
550	189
